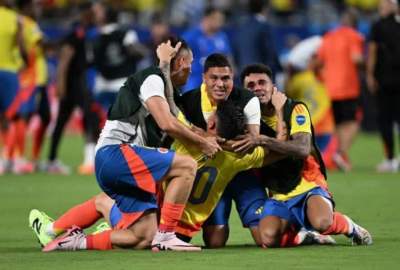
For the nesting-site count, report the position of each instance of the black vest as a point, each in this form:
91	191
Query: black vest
283	176
190	104
111	57
127	104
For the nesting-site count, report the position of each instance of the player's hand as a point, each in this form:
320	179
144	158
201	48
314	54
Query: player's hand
245	143
210	147
278	99
372	84
165	52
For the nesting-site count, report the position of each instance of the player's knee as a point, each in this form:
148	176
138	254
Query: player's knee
217	241
270	237
102	201
189	165
322	224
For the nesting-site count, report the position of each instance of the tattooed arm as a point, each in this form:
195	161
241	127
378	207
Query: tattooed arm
299	145
165	53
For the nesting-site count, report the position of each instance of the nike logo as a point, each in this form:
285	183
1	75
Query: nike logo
37	225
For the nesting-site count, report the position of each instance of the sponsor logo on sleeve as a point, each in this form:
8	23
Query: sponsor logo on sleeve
300	119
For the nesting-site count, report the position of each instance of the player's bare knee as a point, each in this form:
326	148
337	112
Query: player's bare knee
100	201
270	237
189	166
322	224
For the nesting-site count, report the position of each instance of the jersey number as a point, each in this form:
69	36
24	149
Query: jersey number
212	175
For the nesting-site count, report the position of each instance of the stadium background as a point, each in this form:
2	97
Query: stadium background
369	197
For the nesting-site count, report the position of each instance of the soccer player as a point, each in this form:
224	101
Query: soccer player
33	79
340	76
11	36
128	169
198	104
300	196
227	122
217	86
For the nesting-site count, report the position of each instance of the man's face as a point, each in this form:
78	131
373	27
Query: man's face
182	68
219	83
261	85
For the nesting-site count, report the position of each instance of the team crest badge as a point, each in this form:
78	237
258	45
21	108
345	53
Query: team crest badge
300	119
162	150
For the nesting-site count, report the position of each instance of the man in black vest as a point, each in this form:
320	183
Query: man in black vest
303	201
129	170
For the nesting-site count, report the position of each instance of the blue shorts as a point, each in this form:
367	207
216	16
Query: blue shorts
30	106
294	210
249	195
129	174
9	86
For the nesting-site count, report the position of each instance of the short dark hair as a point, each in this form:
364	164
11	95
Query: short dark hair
256	6
210	10
231	120
216	60
255	68
174	40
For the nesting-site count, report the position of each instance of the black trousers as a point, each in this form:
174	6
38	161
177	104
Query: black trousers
77	95
388	105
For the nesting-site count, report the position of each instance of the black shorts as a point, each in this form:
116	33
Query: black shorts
344	110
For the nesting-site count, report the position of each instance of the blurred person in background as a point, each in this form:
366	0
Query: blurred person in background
205	39
253	41
116	52
383	78
305	86
341	54
72	91
159	32
11	47
32	96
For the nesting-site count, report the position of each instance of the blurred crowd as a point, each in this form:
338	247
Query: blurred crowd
76	54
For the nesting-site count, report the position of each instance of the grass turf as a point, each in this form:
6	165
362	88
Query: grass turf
369	198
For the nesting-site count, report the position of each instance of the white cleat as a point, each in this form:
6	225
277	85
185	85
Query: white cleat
359	236
73	239
164	241
388	166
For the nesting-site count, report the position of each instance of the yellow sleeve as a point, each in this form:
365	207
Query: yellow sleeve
252	160
31	33
300	120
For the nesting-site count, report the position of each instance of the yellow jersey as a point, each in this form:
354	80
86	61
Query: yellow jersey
312	177
36	71
212	177
9	53
306	87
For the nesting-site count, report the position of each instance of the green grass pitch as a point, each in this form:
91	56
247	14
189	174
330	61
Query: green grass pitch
369	198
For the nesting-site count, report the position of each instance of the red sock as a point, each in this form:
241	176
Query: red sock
21	129
38	141
290	238
100	241
83	215
10	142
340	225
170	215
